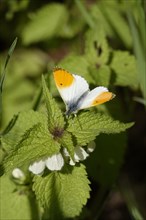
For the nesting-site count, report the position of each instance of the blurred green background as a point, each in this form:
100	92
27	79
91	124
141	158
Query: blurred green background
104	41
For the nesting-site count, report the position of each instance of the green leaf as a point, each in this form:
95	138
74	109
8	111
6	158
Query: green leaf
55	117
124	69
37	143
16	204
24	121
139	43
63	193
117	21
85	13
71	28
102	75
3	74
86	126
77	65
45	23
100	18
105	162
67	141
96	47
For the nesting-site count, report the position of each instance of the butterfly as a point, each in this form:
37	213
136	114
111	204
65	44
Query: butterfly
75	91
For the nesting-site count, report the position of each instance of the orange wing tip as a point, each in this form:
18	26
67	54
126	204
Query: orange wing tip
62	78
56	68
103	97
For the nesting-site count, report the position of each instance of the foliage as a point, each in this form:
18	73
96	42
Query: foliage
33	126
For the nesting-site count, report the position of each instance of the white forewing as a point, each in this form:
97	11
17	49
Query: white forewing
75	91
87	101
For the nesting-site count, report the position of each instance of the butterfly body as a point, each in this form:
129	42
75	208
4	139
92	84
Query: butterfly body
74	105
75	92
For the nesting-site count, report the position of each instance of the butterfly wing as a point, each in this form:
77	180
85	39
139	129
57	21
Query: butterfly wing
95	97
70	86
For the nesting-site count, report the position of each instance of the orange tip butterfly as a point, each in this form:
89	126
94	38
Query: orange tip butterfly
75	92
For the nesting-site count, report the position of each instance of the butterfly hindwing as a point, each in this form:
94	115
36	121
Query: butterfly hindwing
97	96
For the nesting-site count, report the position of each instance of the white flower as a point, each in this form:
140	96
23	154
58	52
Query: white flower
54	162
18	174
37	167
80	154
91	147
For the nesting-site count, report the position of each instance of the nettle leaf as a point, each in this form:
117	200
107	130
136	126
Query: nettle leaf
96	47
102	75
77	65
124	67
64	193
17	204
23	122
37	143
55	116
45	23
86	126
67	142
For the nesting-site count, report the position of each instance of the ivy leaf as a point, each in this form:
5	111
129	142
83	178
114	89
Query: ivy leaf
55	117
23	122
96	47
45	23
13	200
86	126
37	143
64	193
124	67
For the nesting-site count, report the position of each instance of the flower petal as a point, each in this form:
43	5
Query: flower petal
71	162
91	147
55	162
37	167
17	173
80	154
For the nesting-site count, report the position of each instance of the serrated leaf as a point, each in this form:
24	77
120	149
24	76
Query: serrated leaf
105	162
86	126
25	121
96	47
77	65
67	142
45	23
124	68
55	116
12	202
102	75
63	193
37	143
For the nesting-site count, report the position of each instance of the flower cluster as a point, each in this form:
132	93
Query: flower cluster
56	161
